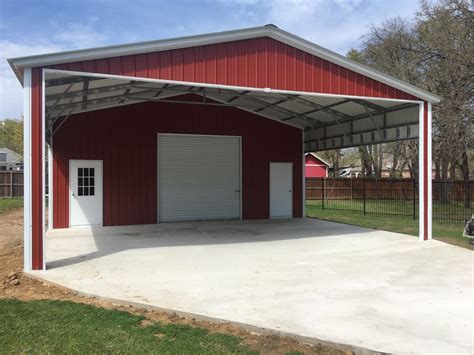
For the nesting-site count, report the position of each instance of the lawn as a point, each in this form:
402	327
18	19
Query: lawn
453	211
449	232
8	204
62	327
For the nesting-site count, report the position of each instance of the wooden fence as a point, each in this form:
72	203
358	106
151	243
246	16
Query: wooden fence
11	184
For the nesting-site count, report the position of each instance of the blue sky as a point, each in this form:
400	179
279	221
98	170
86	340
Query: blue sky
42	26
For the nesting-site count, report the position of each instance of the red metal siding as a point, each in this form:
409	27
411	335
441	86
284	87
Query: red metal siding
315	171
259	62
36	170
315	167
130	159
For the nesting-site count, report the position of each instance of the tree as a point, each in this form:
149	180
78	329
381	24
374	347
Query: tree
11	135
446	51
435	52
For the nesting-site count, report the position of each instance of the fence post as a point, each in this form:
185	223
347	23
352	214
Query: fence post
414	198
323	191
11	183
364	194
352	193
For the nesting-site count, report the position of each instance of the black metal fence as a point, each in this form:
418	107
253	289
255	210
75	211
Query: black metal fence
452	200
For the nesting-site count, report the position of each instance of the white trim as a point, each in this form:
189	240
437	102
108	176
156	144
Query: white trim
195	135
199	40
318	157
27	254
430	172
50	188
43	165
220	86
421	206
158	178
304	179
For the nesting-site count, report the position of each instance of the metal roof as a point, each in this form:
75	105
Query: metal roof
18	64
328	122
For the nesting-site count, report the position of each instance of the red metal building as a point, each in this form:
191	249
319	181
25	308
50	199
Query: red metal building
241	107
315	166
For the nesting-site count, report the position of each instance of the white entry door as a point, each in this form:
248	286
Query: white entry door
85	187
198	177
281	190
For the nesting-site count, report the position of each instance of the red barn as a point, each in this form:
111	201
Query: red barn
121	127
315	167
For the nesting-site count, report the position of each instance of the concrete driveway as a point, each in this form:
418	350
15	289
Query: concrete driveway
371	289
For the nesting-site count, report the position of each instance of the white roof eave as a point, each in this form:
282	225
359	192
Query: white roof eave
319	158
18	64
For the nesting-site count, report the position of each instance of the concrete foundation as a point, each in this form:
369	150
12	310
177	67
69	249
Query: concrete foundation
320	280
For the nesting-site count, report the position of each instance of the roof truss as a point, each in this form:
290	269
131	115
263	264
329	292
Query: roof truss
327	122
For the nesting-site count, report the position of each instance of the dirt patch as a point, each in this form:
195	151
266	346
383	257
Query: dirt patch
14	284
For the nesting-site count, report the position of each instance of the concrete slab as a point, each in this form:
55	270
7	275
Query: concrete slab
372	289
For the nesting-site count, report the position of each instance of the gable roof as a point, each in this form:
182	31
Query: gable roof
12	156
18	64
319	158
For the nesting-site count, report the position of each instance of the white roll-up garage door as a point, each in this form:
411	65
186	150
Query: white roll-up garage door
198	177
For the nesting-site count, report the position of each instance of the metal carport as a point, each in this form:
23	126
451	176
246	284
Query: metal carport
350	105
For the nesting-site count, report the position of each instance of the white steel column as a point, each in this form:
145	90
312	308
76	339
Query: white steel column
27	255
425	173
304	179
50	186
429	164
43	162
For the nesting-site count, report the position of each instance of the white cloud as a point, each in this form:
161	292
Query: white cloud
10	89
348	4
80	36
71	36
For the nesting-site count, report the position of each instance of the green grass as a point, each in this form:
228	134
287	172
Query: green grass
63	327
8	204
451	211
449	232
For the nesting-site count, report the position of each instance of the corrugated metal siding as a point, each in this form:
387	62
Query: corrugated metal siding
198	177
36	169
125	138
260	62
315	171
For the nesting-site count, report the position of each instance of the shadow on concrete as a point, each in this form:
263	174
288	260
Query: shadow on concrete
111	240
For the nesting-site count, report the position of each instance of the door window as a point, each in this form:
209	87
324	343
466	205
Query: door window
85	181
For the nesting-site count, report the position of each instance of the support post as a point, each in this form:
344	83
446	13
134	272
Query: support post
303	167
50	186
27	254
424	172
36	170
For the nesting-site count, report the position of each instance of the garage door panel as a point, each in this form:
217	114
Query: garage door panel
198	177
